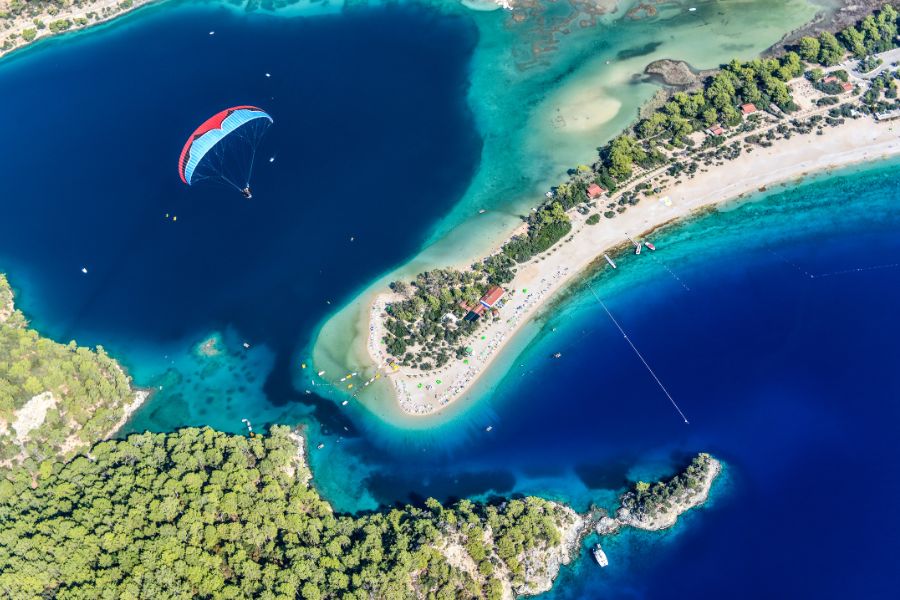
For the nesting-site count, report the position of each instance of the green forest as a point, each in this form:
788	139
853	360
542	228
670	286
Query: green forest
203	514
89	390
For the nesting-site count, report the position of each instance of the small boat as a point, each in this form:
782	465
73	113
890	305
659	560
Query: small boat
272	159
600	556
320	446
84	270
268	74
302	365
344	403
320	373
557	355
651	246
637	248
482	211
609	260
489	428
212	33
246	346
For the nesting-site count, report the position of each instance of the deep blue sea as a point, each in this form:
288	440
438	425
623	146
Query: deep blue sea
373	141
773	324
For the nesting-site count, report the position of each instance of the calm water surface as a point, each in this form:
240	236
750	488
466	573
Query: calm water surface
789	379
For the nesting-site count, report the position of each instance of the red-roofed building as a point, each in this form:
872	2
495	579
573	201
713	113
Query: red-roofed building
716	130
475	313
748	109
492	296
830	79
847	86
595	191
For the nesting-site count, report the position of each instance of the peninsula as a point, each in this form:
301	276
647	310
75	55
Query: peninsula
55	399
205	514
826	103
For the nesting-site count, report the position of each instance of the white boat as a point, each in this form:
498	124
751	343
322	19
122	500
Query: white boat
609	260
600	556
489	428
651	246
320	446
637	248
246	345
320	373
344	403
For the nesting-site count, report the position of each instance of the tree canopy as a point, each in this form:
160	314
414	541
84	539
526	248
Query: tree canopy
87	391
203	514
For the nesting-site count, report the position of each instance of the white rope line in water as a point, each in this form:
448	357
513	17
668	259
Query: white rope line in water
833	273
640	356
671	272
857	270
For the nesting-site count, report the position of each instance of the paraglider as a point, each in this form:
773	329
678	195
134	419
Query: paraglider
223	148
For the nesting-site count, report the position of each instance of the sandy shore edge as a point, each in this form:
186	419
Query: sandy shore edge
856	141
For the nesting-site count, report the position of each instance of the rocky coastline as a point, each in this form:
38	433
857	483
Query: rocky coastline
658	506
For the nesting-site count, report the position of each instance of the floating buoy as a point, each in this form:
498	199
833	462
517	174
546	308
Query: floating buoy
174	218
268	74
302	365
272	159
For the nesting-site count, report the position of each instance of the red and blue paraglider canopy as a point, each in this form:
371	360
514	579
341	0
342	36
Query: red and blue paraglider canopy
224	146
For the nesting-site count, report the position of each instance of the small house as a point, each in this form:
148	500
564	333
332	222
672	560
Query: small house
492	297
594	191
716	130
830	79
847	86
748	109
476	313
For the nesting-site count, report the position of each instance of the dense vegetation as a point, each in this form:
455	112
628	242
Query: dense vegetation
418	331
89	392
876	33
648	500
202	514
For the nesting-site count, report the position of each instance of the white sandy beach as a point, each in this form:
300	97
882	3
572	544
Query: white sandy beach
422	393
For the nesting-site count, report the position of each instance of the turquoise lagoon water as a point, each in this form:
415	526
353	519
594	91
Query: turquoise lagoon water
789	379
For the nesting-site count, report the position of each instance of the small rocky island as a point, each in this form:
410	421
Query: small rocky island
652	507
